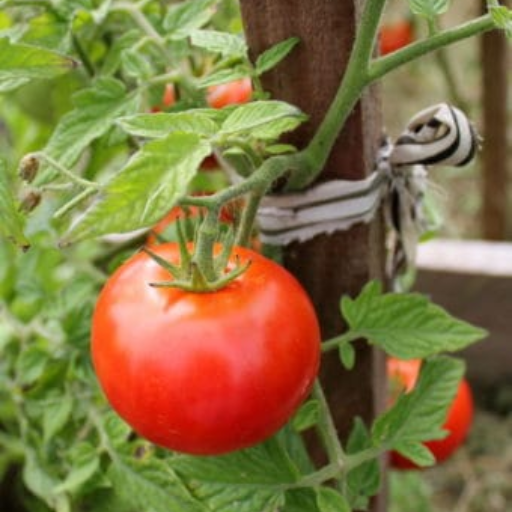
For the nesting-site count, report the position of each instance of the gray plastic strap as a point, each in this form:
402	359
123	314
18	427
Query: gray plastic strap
438	135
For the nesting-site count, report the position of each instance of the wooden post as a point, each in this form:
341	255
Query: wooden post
495	152
329	266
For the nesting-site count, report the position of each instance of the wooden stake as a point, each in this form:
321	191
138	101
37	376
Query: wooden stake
329	266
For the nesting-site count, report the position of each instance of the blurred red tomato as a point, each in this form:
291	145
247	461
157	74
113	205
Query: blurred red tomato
394	36
231	93
168	98
403	376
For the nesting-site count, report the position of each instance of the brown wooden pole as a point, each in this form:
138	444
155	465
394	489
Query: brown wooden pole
329	266
495	155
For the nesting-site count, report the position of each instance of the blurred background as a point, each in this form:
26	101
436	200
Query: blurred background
468	267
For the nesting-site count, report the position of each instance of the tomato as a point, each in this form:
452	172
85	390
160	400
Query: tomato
168	98
231	93
403	375
205	373
394	36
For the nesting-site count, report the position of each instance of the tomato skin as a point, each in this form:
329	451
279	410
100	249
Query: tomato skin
458	420
394	36
205	373
231	93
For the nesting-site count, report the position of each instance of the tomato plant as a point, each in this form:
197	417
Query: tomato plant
395	35
403	376
205	373
226	356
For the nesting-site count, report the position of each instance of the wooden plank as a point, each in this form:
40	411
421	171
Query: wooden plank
478	257
473	280
329	266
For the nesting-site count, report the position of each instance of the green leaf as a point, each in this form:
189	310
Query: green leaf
228	45
429	8
31	364
143	191
11	221
115	428
301	500
328	500
85	464
199	121
262	120
406	325
223	76
419	415
151	485
271	57
502	17
55	416
280	149
307	416
364	480
416	452
347	354
255	479
184	17
112	59
37	478
20	63
136	65
96	110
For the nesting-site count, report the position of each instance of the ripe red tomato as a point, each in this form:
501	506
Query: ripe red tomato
231	93
394	36
403	376
205	373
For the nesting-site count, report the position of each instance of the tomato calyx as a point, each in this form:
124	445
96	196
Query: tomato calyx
189	276
205	264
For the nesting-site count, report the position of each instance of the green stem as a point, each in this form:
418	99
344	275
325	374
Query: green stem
203	250
140	19
317	478
258	182
336	342
66	172
173	76
328	433
76	200
349	92
384	65
86	61
361	71
363	456
249	214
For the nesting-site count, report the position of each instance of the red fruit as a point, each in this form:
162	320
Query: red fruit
231	93
403	376
205	373
168	99
394	36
